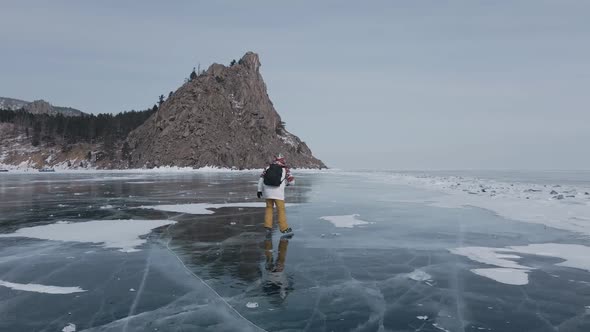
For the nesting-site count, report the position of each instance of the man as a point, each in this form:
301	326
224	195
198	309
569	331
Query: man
271	185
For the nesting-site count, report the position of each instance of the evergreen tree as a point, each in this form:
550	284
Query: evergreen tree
35	140
193	74
160	100
233	63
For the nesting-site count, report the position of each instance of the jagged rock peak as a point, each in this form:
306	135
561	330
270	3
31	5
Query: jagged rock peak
250	61
222	118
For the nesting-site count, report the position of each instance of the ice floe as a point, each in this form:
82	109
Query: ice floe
204	208
508	271
119	234
37	288
347	221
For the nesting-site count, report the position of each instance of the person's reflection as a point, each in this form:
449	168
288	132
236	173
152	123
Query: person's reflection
276	280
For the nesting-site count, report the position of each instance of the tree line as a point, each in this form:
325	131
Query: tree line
60	129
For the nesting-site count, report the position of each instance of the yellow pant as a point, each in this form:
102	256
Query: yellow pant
280	265
280	211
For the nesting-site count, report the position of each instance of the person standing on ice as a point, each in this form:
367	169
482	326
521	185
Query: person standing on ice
272	185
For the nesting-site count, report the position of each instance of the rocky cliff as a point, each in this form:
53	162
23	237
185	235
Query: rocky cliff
222	117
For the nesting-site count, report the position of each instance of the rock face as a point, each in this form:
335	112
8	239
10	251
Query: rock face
37	107
40	107
223	117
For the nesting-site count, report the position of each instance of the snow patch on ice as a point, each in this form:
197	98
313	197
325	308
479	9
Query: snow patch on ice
440	327
419	275
348	221
69	328
252	305
37	288
575	255
119	234
204	208
507	276
510	272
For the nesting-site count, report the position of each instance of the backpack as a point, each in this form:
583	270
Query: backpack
273	175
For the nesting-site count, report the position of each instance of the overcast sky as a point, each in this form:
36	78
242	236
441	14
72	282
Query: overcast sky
367	84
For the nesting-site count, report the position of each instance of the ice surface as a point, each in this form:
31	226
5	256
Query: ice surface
119	234
205	208
200	273
347	221
41	288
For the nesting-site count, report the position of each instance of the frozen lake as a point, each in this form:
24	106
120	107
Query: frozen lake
371	252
